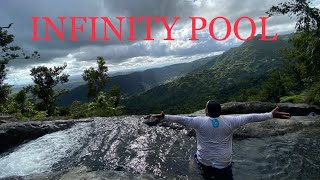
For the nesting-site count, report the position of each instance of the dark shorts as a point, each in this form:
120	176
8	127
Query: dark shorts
210	172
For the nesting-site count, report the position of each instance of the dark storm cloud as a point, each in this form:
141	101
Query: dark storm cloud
20	12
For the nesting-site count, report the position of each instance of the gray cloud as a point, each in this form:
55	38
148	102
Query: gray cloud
119	53
20	12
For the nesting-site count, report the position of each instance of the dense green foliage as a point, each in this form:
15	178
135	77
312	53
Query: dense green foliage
96	78
8	52
45	79
104	103
23	109
304	55
231	76
255	71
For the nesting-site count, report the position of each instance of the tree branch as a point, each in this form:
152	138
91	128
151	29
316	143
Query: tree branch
7	26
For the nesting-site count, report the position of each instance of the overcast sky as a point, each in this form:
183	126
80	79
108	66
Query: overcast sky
128	55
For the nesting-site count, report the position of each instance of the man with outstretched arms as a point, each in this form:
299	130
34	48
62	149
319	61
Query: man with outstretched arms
214	136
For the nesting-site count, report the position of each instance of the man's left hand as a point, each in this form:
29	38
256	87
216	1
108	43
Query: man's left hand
282	115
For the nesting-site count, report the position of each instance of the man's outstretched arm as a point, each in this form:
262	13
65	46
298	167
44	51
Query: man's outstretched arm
192	122
238	121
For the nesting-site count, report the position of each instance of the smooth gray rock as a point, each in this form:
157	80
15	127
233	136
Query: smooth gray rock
150	121
7	118
84	173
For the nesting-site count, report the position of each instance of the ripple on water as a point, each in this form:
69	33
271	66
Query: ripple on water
284	157
40	155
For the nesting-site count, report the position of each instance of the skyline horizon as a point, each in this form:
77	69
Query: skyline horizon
125	55
135	69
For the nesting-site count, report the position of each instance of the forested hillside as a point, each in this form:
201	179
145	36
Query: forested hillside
138	82
227	78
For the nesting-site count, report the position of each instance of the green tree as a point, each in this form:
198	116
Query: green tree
114	92
22	108
104	105
305	52
274	87
45	80
304	55
21	97
96	78
8	52
79	109
308	17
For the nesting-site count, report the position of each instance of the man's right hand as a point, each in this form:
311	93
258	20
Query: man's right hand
282	115
159	116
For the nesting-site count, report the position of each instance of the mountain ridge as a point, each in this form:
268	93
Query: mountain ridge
223	79
137	82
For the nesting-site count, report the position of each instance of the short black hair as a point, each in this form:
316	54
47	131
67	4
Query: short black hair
214	108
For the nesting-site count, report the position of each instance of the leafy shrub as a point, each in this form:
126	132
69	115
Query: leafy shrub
78	109
314	94
103	106
301	98
23	109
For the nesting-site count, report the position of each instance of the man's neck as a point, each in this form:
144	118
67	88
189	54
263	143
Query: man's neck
214	117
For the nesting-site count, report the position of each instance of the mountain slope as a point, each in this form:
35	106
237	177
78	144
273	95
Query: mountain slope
138	82
239	68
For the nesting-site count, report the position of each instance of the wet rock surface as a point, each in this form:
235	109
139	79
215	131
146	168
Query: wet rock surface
125	147
86	173
7	118
15	133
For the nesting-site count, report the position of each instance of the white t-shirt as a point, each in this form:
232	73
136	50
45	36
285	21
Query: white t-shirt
214	135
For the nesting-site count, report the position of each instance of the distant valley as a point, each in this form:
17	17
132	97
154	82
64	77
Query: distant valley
224	78
136	82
